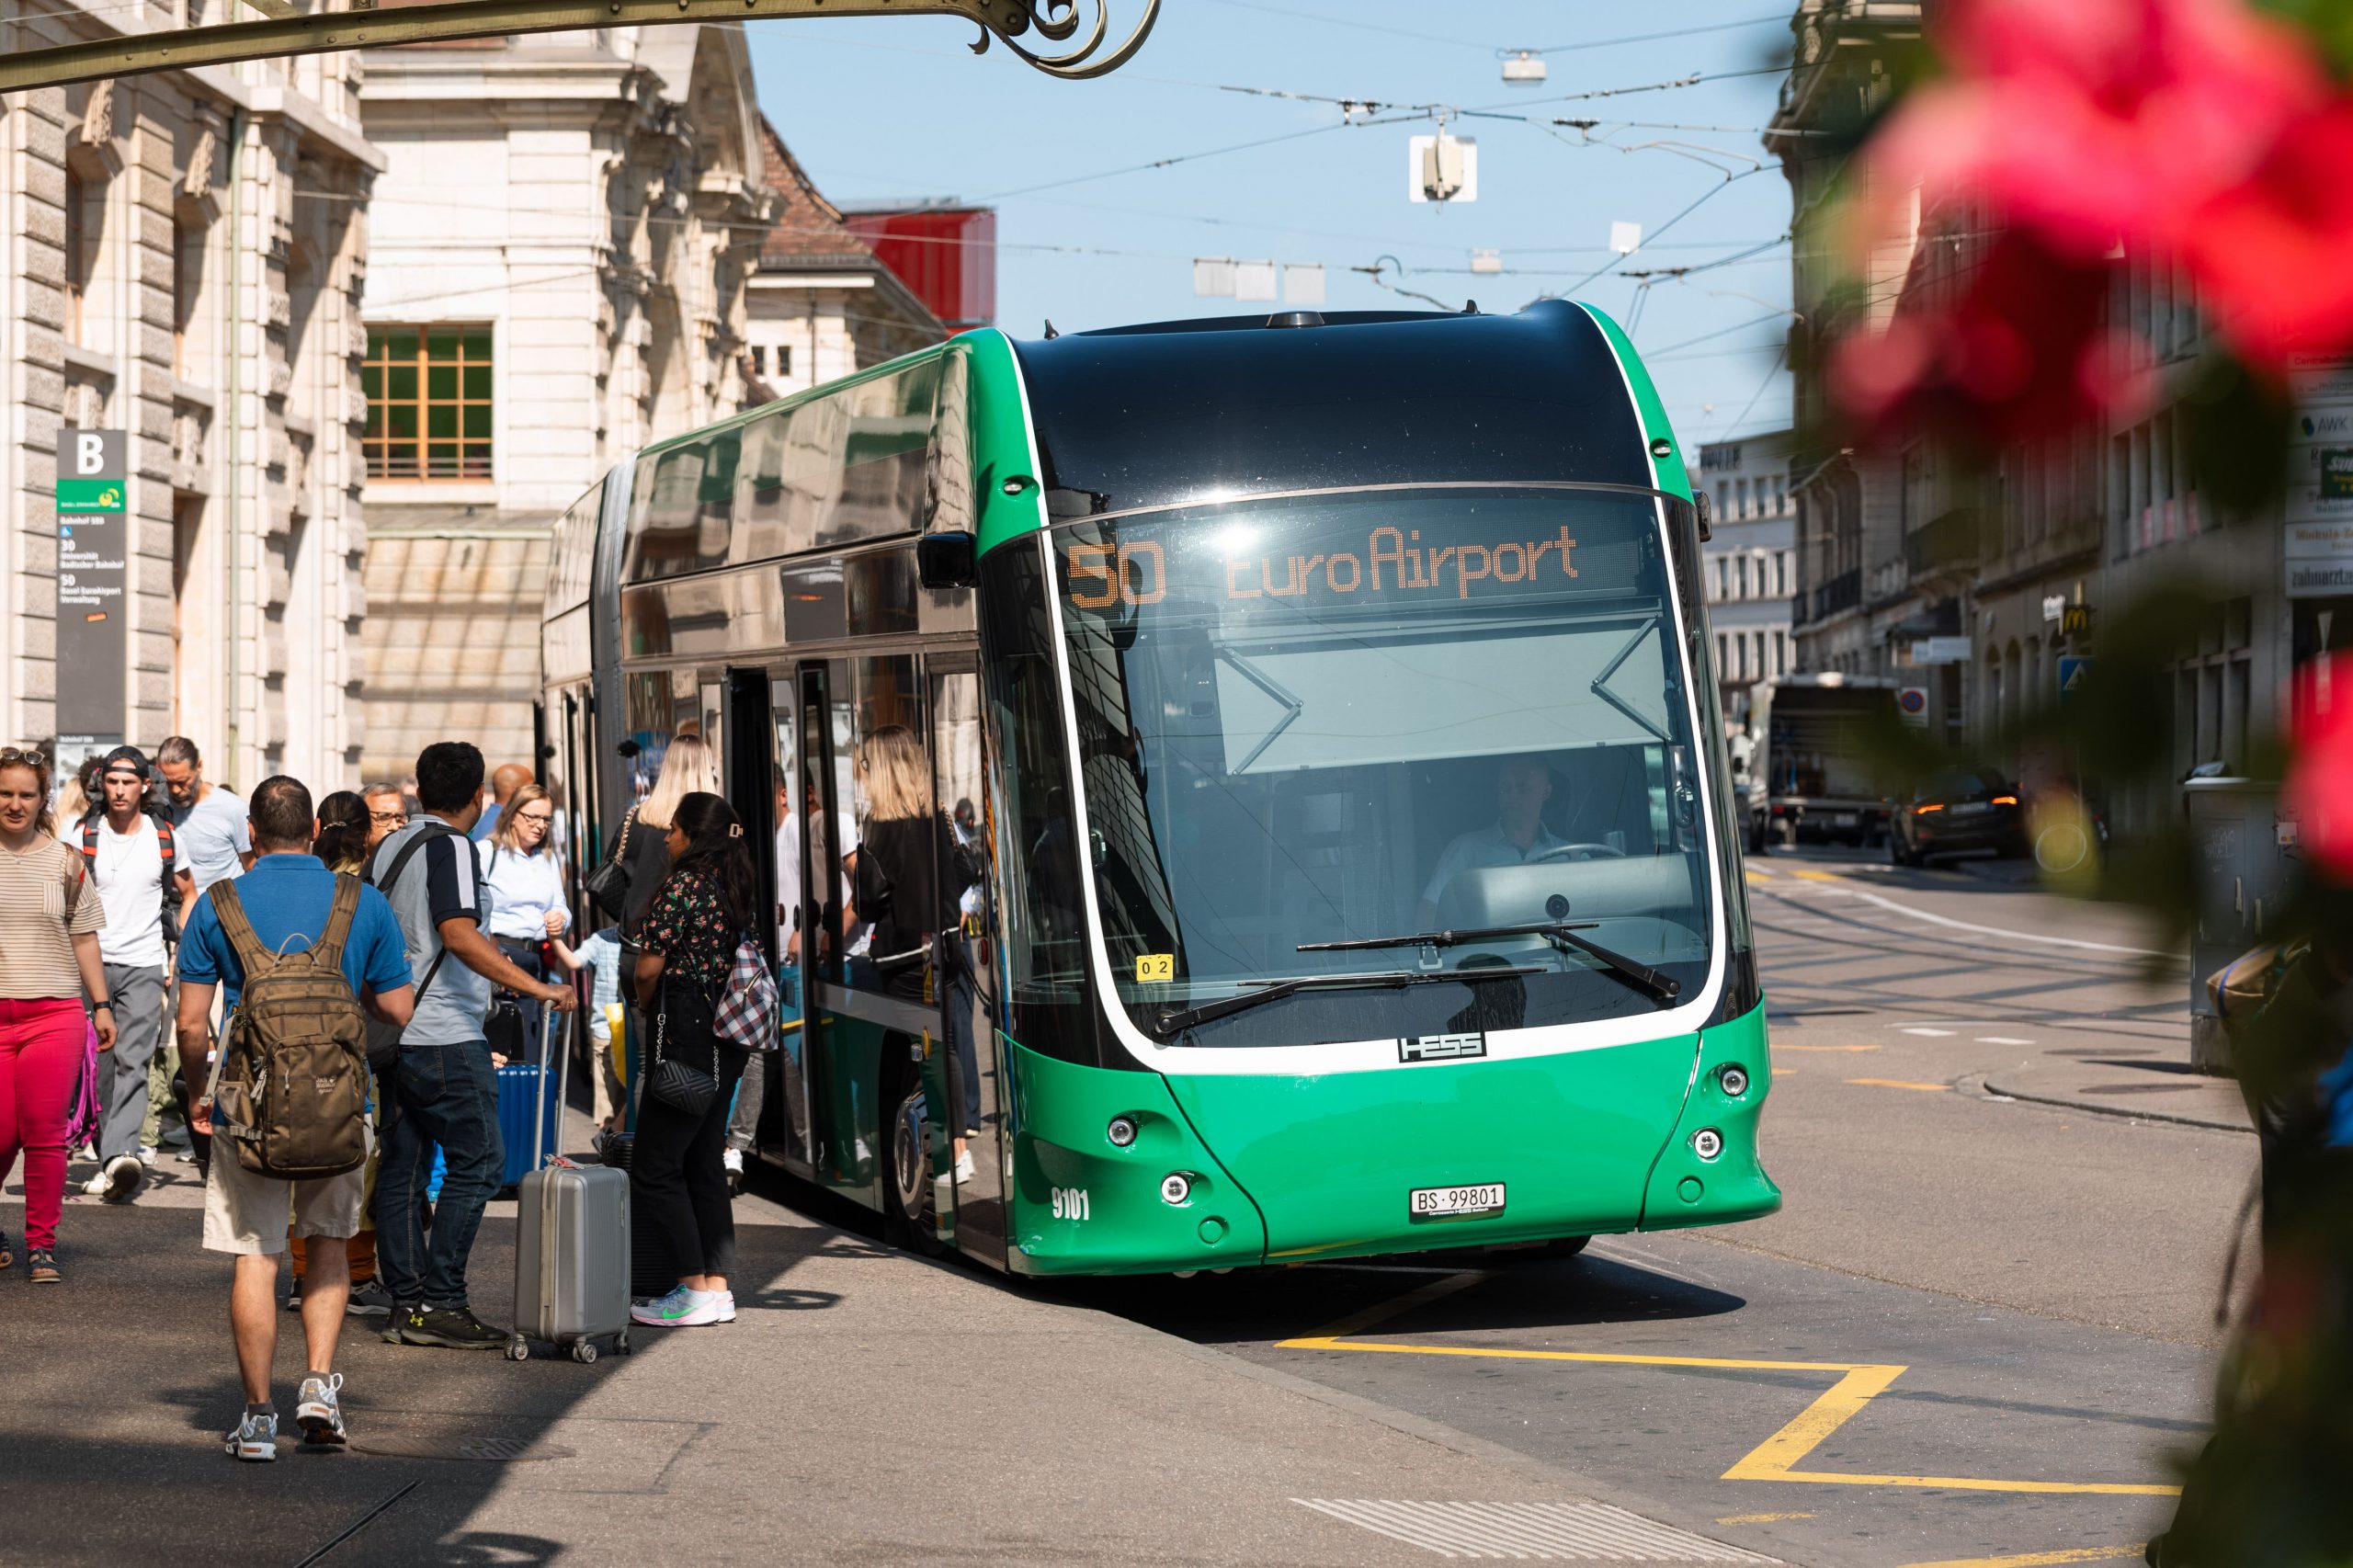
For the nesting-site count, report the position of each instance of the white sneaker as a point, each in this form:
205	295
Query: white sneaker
120	1178
734	1160
256	1439
319	1413
95	1186
726	1306
963	1167
681	1308
147	1153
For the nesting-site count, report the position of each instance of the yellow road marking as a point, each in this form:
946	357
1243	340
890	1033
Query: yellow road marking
1783	1071
1753	875
1776	1457
1900	1084
1759	1518
1826	1048
1819	876
2034	1559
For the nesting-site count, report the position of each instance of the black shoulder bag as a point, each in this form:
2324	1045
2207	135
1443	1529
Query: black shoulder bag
673	1082
609	883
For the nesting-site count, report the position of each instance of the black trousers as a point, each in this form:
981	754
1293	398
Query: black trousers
677	1174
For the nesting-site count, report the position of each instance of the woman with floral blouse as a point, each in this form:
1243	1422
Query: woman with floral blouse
688	941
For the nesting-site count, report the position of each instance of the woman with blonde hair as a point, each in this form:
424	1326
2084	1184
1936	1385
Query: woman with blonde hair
911	875
690	767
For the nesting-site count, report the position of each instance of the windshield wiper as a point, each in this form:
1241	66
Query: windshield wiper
1176	1021
1563	934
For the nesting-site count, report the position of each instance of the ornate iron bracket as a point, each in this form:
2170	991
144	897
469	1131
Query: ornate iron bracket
1056	21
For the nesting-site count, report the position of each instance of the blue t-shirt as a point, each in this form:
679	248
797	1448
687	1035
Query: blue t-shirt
287	898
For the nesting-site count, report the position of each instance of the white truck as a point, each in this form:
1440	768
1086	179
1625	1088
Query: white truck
1811	775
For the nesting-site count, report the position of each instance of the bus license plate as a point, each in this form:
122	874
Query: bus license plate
1449	1202
1842	819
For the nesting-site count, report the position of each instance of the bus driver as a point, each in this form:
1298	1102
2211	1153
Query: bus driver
1522	786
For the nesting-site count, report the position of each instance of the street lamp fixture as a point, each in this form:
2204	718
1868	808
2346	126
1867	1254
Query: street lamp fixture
286	30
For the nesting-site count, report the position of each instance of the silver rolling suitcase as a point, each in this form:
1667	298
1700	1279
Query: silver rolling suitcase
571	1242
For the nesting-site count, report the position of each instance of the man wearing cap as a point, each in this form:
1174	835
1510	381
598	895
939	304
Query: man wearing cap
133	860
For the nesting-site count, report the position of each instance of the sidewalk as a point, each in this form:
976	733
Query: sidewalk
869	1406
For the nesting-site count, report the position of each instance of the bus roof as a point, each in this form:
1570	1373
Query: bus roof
1158	415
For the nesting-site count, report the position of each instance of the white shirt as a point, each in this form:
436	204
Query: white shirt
1485	847
130	875
517	891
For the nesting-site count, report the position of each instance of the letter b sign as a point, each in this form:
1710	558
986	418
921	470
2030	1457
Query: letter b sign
93	454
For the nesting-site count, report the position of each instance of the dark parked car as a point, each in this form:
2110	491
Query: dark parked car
1957	809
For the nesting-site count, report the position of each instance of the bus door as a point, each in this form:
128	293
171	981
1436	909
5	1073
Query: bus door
782	1131
963	983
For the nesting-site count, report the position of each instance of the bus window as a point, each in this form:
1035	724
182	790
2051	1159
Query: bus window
893	886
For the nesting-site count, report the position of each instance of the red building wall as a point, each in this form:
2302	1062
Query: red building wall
946	255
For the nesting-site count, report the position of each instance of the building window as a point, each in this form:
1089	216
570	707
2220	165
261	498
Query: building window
428	390
759	361
188	273
1781	574
78	254
783	362
1780	653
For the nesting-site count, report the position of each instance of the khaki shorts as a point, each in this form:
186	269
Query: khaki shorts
248	1213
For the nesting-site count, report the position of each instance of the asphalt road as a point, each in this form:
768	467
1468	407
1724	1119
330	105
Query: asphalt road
1980	1329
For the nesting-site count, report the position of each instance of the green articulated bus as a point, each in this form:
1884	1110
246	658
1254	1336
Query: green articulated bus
1336	853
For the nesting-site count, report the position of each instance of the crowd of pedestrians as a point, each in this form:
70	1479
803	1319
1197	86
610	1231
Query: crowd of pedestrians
434	927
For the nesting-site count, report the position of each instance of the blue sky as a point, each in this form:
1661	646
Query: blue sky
894	108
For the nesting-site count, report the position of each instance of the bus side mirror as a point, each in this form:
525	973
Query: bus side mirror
944	559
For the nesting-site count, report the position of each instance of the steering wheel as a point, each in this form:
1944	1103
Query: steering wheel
1579	852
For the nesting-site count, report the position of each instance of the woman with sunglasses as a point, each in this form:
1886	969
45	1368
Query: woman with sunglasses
50	920
522	889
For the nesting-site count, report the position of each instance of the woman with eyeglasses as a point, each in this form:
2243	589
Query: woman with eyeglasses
50	920
522	889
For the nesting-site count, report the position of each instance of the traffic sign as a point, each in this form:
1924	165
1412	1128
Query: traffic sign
92	538
2073	668
1912	705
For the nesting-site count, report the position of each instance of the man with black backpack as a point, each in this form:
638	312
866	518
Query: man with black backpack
299	951
441	1087
133	860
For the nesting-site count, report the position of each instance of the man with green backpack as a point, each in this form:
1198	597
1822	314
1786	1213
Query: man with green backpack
300	950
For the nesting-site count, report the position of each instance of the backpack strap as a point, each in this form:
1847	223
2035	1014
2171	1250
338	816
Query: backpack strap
90	839
231	912
168	845
339	916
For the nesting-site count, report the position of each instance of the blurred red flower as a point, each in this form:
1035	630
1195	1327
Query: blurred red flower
2021	353
2273	254
2096	120
2319	786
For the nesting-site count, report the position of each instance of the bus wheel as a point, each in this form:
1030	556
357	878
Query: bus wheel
1566	1246
907	1178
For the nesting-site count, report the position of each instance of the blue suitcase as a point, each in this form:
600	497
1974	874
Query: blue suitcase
519	1087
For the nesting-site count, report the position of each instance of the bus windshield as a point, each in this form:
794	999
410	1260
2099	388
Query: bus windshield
1345	717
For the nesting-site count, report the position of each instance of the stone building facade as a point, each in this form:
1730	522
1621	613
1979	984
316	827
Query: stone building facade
1747	568
561	243
186	253
2013	566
